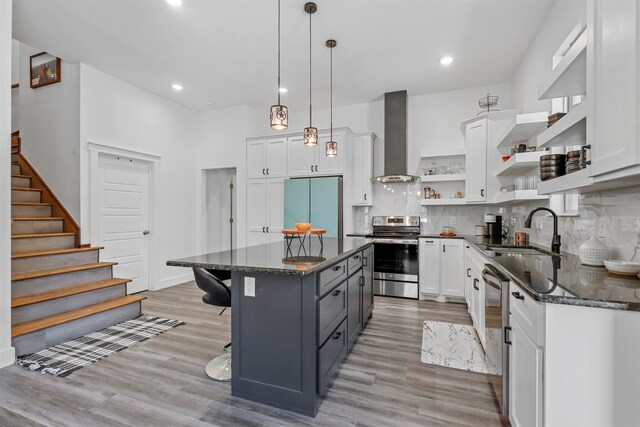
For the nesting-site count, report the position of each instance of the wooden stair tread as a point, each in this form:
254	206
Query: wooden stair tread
50	218
31	236
20	255
53	271
65	292
25	189
58	319
15	175
31	204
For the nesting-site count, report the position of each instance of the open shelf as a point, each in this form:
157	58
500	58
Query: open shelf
443	178
569	77
454	153
569	130
442	202
523	127
519	196
570	183
519	163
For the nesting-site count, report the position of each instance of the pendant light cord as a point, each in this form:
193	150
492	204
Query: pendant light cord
331	96
278	52
310	103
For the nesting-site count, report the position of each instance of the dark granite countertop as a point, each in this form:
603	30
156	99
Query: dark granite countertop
274	257
563	279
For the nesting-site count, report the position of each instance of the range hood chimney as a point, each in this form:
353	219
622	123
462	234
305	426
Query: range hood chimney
395	139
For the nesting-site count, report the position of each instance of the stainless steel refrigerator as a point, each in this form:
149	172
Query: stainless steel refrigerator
314	200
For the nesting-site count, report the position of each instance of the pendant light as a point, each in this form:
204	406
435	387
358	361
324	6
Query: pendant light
279	113
310	133
331	146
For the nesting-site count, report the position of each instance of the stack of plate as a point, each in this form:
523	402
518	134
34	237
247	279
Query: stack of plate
552	166
554	118
573	161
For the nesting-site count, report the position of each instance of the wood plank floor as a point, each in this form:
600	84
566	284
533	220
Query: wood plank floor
161	382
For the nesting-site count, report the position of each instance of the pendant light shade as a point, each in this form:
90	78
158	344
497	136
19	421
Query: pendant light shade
279	117
331	149
310	133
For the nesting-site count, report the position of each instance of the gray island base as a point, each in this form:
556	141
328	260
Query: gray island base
295	316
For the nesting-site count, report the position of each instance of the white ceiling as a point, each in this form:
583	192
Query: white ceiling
225	50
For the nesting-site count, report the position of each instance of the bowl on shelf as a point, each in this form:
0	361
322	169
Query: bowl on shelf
505	158
303	226
623	268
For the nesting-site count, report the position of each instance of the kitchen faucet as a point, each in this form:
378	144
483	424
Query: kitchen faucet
555	241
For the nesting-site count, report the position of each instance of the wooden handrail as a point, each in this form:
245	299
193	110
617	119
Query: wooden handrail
69	225
15	85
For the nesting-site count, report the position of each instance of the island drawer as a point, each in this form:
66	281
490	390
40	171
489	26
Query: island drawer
331	277
528	312
354	263
330	356
332	309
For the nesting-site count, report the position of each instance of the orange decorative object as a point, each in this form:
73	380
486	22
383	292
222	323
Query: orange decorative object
303	226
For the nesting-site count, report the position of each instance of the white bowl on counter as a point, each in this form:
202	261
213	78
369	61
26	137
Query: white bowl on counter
624	268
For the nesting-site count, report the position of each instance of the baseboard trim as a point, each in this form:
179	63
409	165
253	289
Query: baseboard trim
7	357
172	281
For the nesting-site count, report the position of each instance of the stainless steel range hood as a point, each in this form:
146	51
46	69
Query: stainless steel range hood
395	139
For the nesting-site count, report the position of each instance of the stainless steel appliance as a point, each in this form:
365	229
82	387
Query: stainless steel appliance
495	231
395	268
496	330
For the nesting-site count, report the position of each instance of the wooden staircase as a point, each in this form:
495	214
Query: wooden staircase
59	289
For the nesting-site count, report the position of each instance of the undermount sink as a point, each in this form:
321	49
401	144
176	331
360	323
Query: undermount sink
517	251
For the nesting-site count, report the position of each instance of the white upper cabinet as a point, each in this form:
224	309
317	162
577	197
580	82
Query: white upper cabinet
267	158
363	169
476	161
302	159
615	38
311	161
331	165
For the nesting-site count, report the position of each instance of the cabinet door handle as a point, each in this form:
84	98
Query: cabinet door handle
337	335
267	171
428	241
316	168
311	168
365	196
517	295
267	229
474	284
337	268
468	272
506	332
263	229
444	248
336	292
365	261
482	192
356	257
263	169
361	280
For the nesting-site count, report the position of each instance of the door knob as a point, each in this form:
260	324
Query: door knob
145	232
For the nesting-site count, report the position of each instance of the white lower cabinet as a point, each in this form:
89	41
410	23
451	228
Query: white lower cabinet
441	267
525	392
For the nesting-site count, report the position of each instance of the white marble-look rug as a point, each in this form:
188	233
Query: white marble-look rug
454	346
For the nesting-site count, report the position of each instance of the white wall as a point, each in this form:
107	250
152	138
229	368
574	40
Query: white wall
15	76
536	63
119	114
6	351
50	121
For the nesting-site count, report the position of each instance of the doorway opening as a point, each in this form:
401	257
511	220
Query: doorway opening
220	210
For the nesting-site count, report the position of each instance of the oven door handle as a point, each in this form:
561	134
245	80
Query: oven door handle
396	241
493	279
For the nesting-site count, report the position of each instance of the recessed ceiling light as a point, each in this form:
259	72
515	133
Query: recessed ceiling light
175	2
210	103
446	60
283	90
177	87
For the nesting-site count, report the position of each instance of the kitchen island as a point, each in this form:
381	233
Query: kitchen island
296	312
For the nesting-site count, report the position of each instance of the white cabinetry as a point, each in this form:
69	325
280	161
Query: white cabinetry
311	161
267	158
363	169
476	161
441	267
264	210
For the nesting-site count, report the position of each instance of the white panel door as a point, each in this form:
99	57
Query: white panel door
123	218
476	161
300	158
276	158
429	266
275	208
256	212
330	165
526	379
452	267
256	159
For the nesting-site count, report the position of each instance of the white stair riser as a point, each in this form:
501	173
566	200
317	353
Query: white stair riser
58	281
37	227
37	311
25	196
14	158
46	262
36	341
17	181
15	169
26	211
42	243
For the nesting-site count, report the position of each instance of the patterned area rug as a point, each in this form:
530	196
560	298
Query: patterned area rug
454	346
63	359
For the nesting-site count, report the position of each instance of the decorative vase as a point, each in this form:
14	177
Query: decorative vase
594	252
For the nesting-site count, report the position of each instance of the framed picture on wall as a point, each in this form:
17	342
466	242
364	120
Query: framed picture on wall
45	69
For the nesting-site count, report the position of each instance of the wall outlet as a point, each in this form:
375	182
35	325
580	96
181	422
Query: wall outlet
249	286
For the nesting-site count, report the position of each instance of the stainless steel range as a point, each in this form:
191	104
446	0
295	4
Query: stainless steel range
395	269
